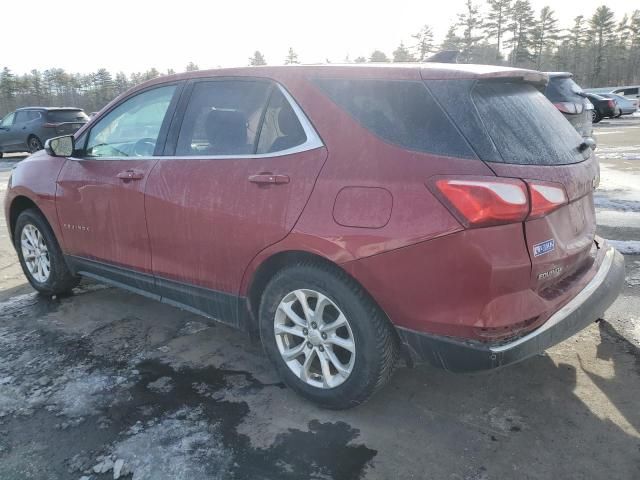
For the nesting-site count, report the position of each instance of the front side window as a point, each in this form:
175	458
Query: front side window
223	117
22	116
132	128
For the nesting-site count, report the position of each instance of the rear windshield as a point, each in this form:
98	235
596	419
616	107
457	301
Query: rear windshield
563	89
524	126
67	116
400	112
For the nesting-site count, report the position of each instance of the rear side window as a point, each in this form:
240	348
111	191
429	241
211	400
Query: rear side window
61	116
563	89
524	126
223	118
400	112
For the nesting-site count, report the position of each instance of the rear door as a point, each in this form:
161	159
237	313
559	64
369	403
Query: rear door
100	193
6	133
242	161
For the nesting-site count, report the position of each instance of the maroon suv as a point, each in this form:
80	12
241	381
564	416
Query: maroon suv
347	214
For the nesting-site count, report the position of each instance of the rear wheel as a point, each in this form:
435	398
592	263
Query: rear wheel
34	144
328	340
40	255
595	116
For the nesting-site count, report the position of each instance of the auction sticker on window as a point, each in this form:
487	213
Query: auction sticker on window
544	247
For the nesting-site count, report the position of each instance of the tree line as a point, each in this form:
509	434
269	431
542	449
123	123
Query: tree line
598	49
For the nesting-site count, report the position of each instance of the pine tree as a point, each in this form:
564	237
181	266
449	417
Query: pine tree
471	23
378	56
496	22
545	34
402	54
424	43
257	59
292	57
601	27
451	41
521	23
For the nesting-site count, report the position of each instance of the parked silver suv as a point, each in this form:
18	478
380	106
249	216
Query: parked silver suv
26	129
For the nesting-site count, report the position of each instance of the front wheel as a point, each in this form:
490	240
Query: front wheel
40	255
326	337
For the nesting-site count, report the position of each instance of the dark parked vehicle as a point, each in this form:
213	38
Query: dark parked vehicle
26	129
567	96
602	107
626	106
346	214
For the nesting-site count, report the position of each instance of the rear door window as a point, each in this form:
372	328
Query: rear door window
399	112
281	128
223	117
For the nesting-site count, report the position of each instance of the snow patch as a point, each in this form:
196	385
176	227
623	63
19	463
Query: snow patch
179	445
628	247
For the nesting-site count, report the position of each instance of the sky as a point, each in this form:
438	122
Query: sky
135	35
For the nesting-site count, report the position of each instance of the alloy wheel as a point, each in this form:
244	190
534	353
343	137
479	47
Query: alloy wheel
35	253
314	338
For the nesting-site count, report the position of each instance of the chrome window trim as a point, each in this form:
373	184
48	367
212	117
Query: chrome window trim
313	141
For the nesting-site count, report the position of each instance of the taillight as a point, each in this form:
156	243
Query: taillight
569	107
611	104
545	198
51	125
484	201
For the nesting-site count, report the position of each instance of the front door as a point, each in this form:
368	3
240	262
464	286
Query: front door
7	133
100	193
243	165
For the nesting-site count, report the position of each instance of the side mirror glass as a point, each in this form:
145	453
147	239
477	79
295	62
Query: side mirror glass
60	146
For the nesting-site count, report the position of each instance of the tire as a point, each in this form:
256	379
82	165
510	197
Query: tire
59	279
34	144
375	347
595	116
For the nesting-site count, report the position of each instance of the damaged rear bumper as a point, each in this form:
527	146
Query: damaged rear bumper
468	356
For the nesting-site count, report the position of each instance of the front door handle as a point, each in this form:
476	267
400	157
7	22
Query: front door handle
130	175
269	178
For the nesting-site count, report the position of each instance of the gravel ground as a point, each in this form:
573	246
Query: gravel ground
106	384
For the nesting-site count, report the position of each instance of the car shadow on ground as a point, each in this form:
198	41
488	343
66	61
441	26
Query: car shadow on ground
106	375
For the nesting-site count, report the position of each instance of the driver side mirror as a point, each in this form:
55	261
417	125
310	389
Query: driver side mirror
60	146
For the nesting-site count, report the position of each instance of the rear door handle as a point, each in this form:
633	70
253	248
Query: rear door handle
269	178
130	175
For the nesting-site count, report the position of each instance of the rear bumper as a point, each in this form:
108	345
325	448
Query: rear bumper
467	356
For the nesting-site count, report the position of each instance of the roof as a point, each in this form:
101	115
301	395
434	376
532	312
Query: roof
403	71
49	108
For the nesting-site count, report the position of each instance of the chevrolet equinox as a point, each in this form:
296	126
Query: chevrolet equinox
350	215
